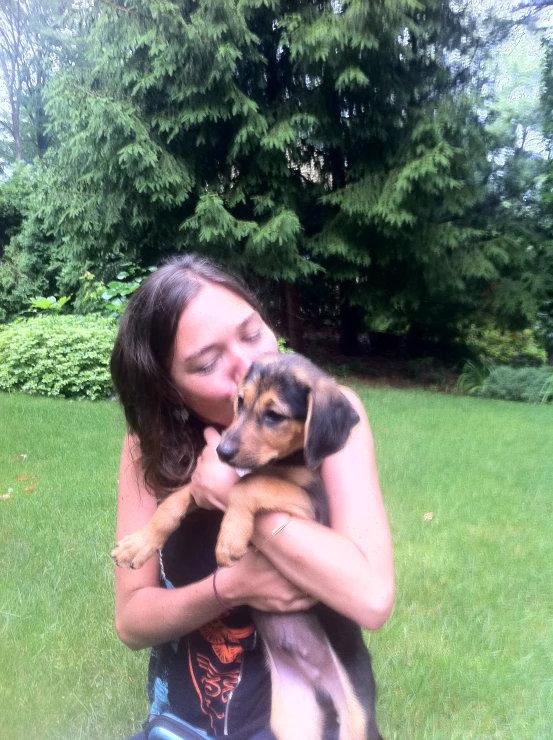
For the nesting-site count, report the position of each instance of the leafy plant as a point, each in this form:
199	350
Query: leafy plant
52	355
474	377
282	348
96	296
547	390
48	304
529	384
544	327
516	348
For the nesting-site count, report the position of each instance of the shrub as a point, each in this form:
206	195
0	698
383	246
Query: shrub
530	384
54	355
516	348
474	377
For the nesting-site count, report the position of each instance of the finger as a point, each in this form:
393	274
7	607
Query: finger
306	602
212	437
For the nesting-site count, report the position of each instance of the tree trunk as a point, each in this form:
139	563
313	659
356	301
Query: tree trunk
415	340
291	316
352	322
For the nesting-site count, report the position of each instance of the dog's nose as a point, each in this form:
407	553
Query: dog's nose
227	451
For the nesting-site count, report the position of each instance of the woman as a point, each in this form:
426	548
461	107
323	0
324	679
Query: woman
189	334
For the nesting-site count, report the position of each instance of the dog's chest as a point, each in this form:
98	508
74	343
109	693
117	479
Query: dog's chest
293	470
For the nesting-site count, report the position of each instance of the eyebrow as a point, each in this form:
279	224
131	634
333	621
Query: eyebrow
197	355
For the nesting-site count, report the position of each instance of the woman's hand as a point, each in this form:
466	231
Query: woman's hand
212	480
254	581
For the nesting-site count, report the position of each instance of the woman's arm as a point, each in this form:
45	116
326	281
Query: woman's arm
348	567
147	614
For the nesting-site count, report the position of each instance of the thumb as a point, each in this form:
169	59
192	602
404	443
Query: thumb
212	437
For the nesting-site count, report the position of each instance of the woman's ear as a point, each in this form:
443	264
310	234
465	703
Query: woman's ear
330	420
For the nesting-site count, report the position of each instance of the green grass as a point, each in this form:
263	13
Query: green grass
467	652
63	672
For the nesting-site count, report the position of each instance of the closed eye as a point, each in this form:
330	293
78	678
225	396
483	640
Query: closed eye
253	337
273	418
208	367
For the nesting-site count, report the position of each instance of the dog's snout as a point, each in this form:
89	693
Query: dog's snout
227	451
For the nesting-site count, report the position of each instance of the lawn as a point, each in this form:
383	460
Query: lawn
467	653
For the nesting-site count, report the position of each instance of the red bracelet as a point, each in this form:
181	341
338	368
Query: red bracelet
219	599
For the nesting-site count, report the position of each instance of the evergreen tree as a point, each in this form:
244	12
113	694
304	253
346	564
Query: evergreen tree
295	140
36	38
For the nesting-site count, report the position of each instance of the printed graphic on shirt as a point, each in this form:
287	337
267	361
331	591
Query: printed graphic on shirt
215	654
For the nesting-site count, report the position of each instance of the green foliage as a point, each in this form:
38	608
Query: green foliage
544	328
18	283
492	346
96	297
474	377
57	356
50	304
337	145
278	140
529	384
14	194
283	348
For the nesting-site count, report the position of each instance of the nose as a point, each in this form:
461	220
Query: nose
227	451
240	365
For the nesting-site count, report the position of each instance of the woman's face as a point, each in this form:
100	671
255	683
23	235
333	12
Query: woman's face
218	337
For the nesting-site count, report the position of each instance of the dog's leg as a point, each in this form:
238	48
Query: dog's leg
351	715
250	496
305	671
295	711
137	548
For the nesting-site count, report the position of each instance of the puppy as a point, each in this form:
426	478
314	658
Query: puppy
288	417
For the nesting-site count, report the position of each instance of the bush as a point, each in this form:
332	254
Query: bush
516	348
530	384
474	377
57	356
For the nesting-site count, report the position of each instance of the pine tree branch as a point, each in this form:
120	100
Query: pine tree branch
7	127
536	5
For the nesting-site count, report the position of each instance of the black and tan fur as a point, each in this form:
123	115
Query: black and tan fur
288	417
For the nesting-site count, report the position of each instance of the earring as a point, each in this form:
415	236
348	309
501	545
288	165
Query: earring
181	414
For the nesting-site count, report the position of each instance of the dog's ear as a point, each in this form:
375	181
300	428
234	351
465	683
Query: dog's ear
330	419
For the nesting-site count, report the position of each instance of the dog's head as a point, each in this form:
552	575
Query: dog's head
286	404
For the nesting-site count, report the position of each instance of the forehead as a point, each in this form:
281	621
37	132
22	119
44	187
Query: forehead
211	314
271	385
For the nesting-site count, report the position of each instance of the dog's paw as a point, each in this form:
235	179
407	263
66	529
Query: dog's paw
133	551
229	551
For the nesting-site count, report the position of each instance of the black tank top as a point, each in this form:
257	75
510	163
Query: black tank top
215	678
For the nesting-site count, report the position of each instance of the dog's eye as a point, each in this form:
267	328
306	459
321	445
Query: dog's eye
239	403
271	417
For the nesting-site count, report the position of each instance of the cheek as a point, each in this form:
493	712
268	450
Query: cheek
208	399
200	393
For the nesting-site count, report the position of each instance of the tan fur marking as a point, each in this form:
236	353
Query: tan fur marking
308	419
302	477
266	400
252	495
250	391
287	725
353	720
260	446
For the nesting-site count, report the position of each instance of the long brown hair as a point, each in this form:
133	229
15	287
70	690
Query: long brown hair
140	364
